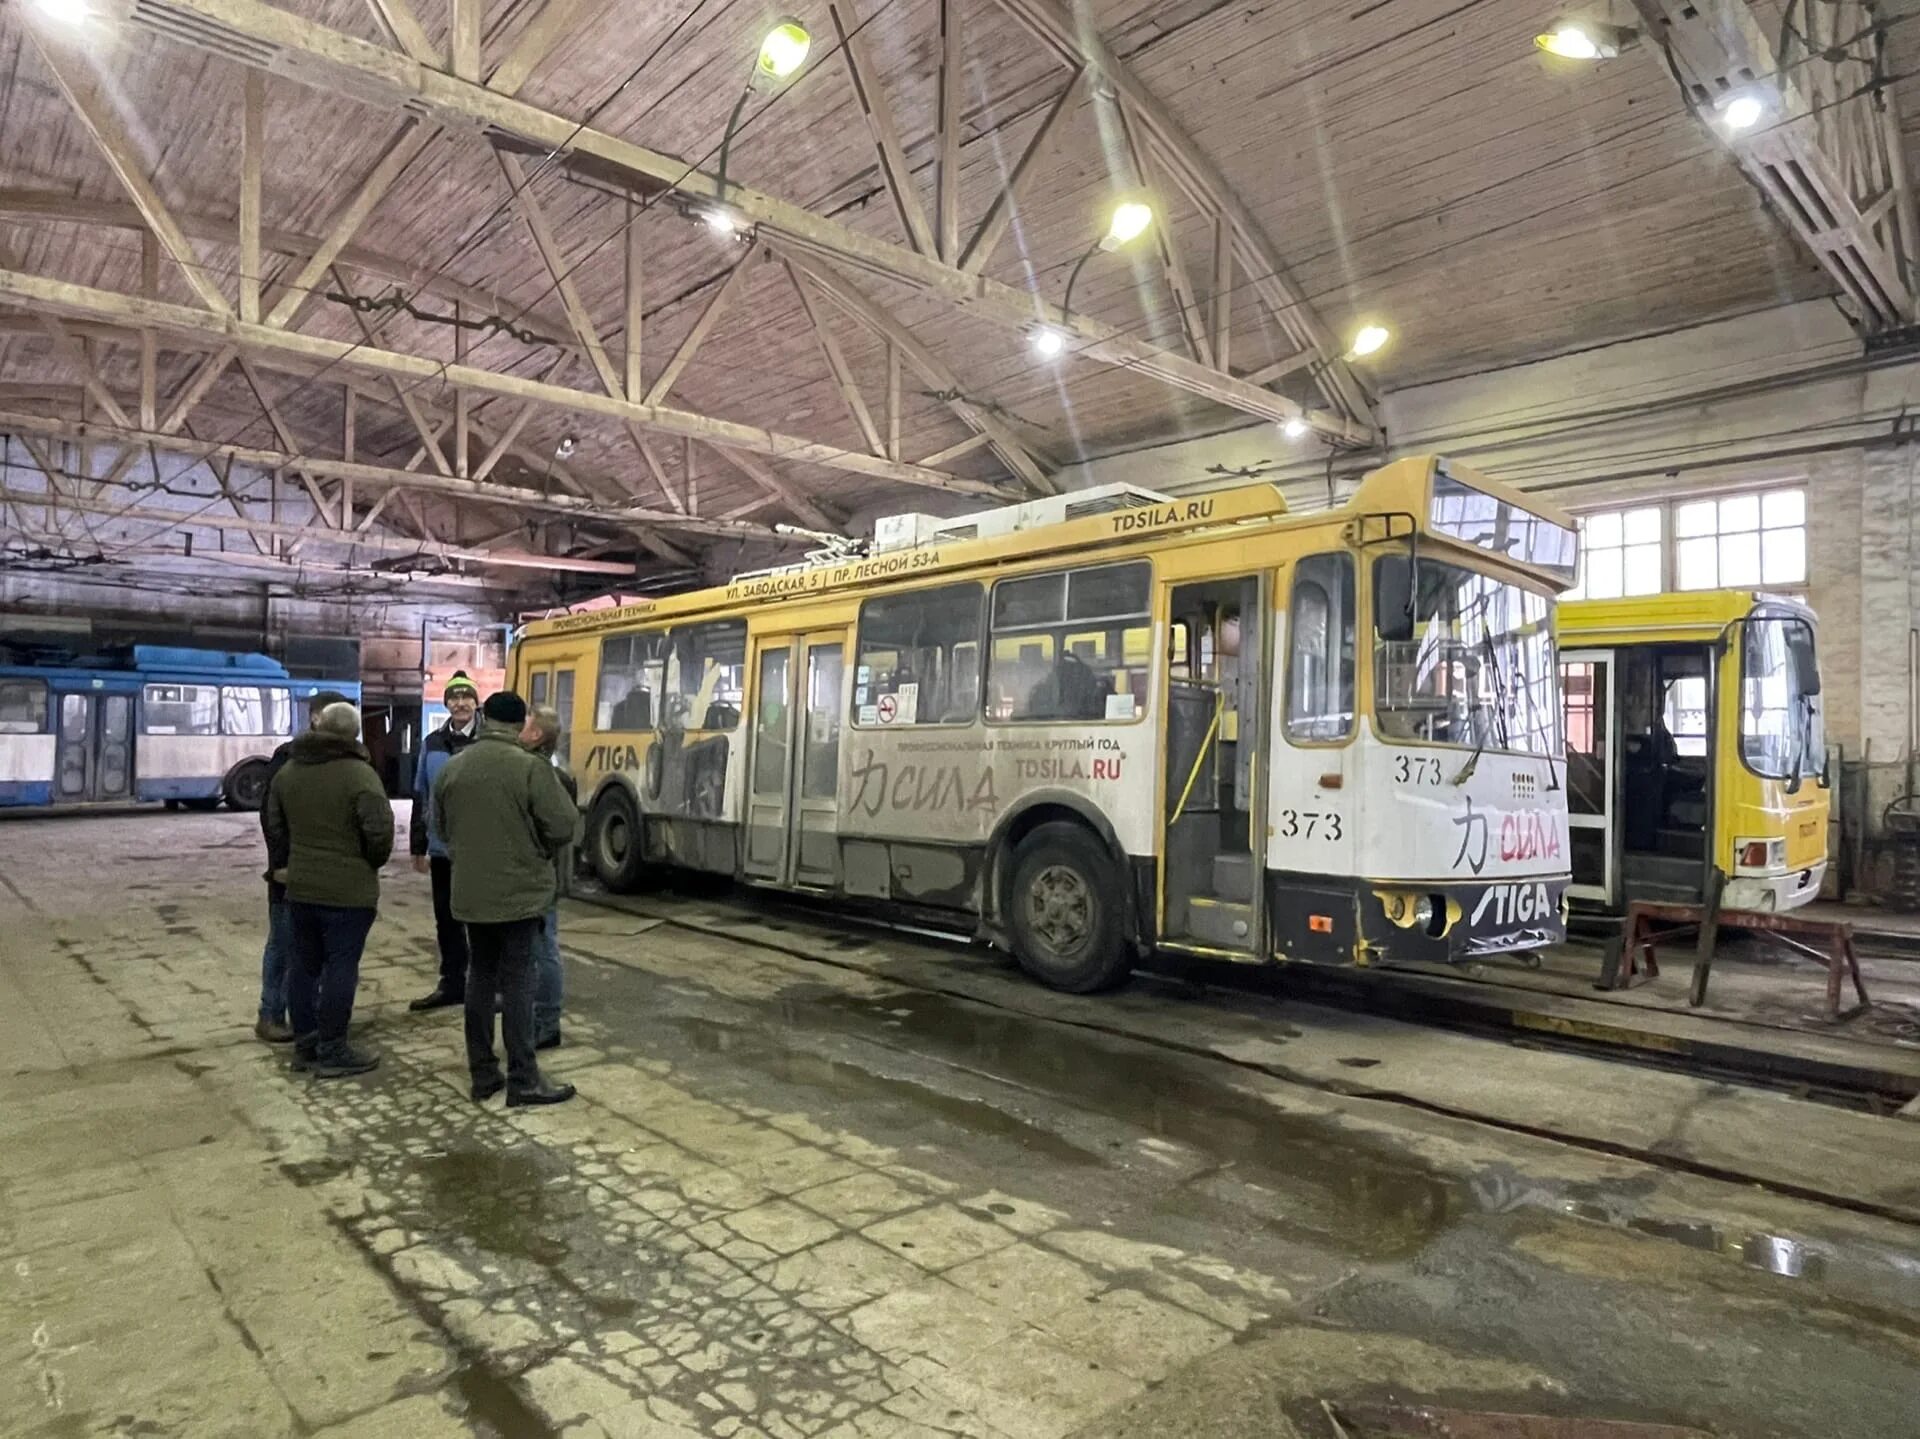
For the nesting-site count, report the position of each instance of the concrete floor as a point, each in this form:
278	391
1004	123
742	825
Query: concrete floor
822	1182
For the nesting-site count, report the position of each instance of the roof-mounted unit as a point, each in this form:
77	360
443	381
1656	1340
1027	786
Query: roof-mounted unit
910	531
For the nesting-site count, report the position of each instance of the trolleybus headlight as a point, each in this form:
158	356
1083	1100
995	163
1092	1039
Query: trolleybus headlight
1423	910
1759	854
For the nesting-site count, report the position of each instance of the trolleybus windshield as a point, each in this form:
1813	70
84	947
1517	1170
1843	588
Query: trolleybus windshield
1478	670
1782	731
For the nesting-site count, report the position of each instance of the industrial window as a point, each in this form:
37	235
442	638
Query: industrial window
255	710
1620	554
633	677
1739	541
706	673
180	709
1076	645
919	658
23	707
1320	651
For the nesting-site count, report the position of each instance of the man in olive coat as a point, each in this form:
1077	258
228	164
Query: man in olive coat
329	829
504	816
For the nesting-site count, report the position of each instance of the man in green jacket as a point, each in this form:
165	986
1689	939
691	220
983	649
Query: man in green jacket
503	815
328	814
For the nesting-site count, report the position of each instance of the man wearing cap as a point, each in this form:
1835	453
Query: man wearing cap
272	1025
429	850
504	816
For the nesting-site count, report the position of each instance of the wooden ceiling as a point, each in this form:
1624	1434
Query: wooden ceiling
1416	162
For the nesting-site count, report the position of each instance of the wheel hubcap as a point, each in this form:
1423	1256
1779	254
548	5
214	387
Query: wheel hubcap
1060	908
615	842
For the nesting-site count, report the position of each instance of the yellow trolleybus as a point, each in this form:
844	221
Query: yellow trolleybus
1105	721
1696	756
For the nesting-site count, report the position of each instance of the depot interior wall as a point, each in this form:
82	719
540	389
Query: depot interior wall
1779	396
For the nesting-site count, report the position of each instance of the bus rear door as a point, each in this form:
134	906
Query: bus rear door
93	755
1587	693
793	774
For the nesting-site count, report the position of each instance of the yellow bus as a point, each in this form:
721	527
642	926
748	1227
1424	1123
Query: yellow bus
1093	724
1696	753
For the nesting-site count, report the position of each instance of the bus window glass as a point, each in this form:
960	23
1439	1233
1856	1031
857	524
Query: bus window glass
706	670
919	658
1071	646
633	676
279	711
1685	714
23	706
181	709
563	706
248	710
1320	657
1782	730
1478	671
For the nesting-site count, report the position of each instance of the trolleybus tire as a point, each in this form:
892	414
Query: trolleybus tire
172	805
245	787
206	805
614	840
1064	906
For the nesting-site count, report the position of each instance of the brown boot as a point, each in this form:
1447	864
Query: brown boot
273	1031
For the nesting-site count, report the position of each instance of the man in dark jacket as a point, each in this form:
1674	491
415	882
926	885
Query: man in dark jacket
504	815
277	957
328	813
429	849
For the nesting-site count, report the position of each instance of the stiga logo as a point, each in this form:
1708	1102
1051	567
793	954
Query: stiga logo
1520	902
613	756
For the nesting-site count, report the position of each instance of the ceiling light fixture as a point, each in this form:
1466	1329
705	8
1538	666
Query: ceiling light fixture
1744	109
568	444
783	50
1047	342
1369	340
1295	428
1586	40
720	220
1132	217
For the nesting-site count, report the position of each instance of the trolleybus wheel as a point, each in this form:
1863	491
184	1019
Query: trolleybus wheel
205	805
172	805
245	786
1065	912
613	840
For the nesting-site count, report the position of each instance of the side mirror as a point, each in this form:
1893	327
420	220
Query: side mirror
1393	598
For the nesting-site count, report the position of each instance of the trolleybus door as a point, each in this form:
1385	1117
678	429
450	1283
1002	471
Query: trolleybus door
94	751
1593	741
1212	845
793	774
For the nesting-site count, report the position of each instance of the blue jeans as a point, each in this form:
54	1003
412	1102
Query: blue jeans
327	942
275	961
549	984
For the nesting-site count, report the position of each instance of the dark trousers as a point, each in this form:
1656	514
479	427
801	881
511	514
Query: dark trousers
327	944
502	964
452	935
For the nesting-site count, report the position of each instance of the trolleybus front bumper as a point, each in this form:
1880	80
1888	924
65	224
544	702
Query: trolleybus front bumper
1413	921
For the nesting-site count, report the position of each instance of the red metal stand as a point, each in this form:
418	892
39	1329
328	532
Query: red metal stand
1651	924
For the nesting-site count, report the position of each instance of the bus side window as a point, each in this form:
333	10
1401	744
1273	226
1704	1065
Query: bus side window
1062	641
23	706
1320	649
632	677
704	676
918	658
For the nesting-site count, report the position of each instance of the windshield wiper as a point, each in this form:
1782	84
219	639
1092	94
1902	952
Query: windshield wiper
1480	731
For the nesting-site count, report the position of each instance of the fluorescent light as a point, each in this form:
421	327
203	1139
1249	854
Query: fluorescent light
1048	342
1295	429
67	12
1369	340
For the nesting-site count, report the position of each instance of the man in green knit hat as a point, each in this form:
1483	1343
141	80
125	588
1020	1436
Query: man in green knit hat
429	848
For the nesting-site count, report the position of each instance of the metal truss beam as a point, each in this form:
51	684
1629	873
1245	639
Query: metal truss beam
1826	151
377	476
85	302
1079	46
314	55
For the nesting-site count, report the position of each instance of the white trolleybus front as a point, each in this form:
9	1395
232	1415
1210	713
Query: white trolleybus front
1093	725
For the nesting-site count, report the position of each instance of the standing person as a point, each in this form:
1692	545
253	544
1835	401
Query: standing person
429	849
504	816
542	737
329	814
277	958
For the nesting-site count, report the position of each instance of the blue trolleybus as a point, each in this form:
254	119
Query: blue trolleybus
188	727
